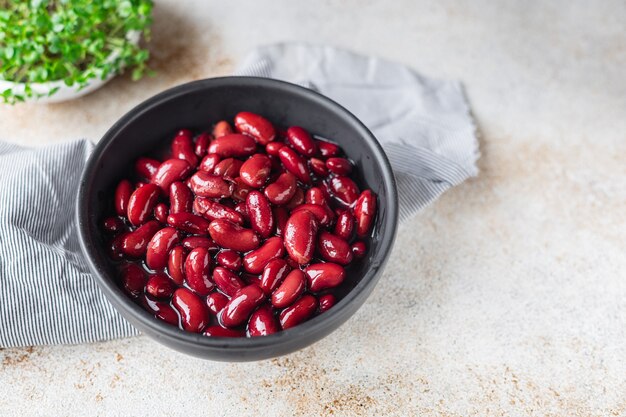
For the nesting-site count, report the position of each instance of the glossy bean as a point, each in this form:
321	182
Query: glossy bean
146	167
262	322
339	166
228	282
135	243
170	171
333	248
344	189
193	312
123	191
141	204
159	286
189	222
216	302
202	144
198	271
256	126
133	279
183	148
181	198
228	168
255	261
273	274
233	145
204	184
364	213
289	290
159	247
295	164
301	141
298	312
222	128
241	306
229	259
322	276
176	264
300	235
282	190
232	236
255	171
260	213
344	227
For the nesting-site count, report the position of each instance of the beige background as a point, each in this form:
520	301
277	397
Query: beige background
505	297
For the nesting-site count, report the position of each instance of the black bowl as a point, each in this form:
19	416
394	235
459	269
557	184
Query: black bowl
148	126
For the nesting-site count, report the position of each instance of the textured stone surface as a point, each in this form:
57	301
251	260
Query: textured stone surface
506	297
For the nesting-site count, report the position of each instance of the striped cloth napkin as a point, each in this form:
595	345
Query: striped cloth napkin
48	295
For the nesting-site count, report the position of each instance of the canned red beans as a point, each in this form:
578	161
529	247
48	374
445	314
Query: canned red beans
245	230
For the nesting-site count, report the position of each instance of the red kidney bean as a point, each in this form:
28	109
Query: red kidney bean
339	166
198	271
364	212
333	248
299	236
282	190
298	312
289	290
260	214
229	259
296	200
188	222
324	275
273	274
228	282
159	286
280	218
358	249
318	167
233	145
209	162
146	167
345	225
194	314
232	236
256	126
294	164
242	209
241	306
255	171
181	198
207	185
262	322
141	204
136	242
241	190
255	261
344	190
184	132
301	141
160	246
176	264
219	331
212	210
161	310
161	212
202	144
134	279
323	214
222	128
315	195
216	302
115	248
170	171
123	191
112	225
228	167
326	302
327	149
273	147
193	242
182	148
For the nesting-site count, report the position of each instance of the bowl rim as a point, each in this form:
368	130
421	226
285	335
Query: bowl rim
308	329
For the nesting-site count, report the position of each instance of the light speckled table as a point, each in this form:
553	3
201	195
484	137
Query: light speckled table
506	297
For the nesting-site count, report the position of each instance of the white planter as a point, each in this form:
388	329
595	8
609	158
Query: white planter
65	93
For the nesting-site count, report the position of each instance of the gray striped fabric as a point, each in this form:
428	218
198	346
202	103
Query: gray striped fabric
47	294
424	124
48	297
